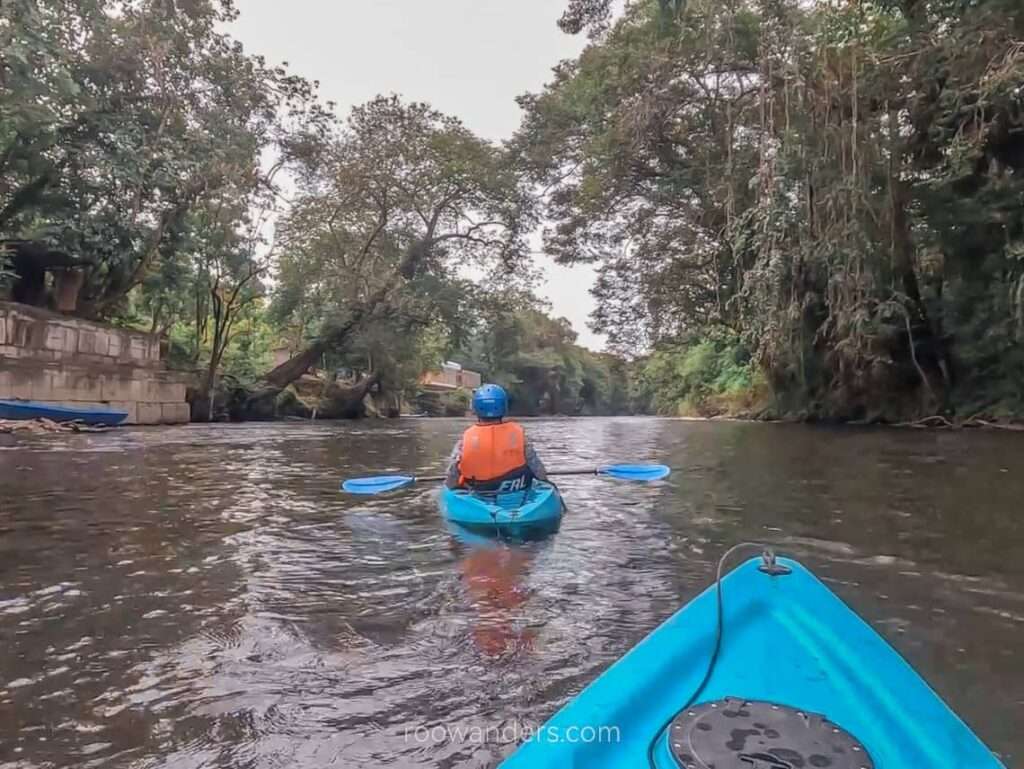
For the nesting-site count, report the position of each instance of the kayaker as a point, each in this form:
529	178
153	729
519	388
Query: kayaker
494	454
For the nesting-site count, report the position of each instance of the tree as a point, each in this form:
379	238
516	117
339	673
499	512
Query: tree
227	300
635	144
535	357
385	212
837	185
595	15
120	119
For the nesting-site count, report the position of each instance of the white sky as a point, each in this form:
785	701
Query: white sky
469	58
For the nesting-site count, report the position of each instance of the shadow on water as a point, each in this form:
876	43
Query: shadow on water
204	596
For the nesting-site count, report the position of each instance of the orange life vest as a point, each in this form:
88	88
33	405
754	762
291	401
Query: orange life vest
494	457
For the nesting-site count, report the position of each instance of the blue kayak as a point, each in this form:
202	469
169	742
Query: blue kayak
800	681
14	409
517	514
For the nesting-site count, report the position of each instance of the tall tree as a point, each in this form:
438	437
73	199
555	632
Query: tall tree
120	119
385	213
837	184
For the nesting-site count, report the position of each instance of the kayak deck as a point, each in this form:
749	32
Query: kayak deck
787	640
514	513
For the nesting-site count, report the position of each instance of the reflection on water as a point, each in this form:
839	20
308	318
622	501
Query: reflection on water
204	596
494	579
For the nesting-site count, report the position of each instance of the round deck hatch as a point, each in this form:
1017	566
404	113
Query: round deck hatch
744	734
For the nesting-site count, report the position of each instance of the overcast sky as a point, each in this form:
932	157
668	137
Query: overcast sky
469	58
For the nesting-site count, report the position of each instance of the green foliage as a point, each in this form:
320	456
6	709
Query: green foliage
535	357
839	185
705	377
248	354
455	404
129	130
388	211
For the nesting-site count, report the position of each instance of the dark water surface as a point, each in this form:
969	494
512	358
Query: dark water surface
204	596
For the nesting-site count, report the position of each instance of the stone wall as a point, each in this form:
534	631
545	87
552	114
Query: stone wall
58	359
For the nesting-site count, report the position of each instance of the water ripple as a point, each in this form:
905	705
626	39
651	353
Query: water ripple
204	596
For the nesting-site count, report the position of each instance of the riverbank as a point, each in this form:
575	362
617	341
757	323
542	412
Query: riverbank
758	404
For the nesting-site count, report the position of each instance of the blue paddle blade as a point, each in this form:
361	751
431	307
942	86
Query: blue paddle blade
643	473
378	484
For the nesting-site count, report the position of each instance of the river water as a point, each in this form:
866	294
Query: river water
204	597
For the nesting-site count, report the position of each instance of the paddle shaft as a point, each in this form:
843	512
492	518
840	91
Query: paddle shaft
384	483
438	478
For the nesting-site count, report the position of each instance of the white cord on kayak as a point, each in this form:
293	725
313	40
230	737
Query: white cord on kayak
769	557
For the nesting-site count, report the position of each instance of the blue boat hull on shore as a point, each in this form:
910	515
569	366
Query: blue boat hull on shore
790	649
515	514
15	409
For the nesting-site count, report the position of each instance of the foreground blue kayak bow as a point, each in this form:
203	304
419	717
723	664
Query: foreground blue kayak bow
624	472
796	681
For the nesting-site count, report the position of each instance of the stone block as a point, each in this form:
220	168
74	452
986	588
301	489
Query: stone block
86	342
54	339
21	389
3	328
70	340
175	413
149	413
60	379
9	351
101	345
19	384
149	389
122	388
164	392
86	386
87	359
137	348
18	329
174	392
141	389
6	383
41	384
115	346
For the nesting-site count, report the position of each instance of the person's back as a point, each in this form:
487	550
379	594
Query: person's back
493	454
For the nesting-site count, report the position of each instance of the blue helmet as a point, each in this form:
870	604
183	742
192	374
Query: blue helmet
490	402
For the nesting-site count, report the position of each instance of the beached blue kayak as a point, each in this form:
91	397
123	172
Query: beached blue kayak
514	513
800	681
14	409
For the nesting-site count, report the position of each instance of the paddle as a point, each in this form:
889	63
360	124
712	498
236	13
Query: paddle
379	484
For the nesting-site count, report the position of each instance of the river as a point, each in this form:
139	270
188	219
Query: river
204	596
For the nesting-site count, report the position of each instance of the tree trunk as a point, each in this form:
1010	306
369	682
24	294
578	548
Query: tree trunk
210	398
927	349
260	403
347	402
296	366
